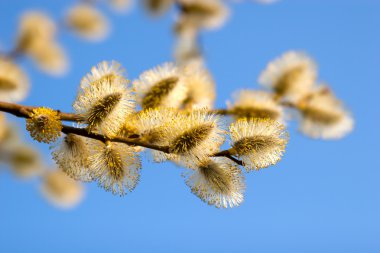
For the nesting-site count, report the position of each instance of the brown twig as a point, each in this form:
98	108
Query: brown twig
129	141
223	112
227	112
24	112
289	104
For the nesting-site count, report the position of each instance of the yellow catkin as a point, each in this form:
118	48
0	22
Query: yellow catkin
115	166
44	125
87	22
71	155
25	161
105	98
35	27
201	86
209	14
290	76
194	136
324	116
258	142
255	104
157	7
14	84
161	86
217	181
61	190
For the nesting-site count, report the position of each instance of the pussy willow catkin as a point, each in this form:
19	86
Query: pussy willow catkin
161	113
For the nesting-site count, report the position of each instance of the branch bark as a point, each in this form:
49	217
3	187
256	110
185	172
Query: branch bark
227	153
129	141
24	111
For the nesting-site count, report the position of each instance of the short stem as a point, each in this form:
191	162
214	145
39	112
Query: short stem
223	112
229	154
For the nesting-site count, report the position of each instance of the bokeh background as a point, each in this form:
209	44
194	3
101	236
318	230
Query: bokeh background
324	196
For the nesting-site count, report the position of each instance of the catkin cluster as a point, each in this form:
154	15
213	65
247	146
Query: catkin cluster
167	112
171	106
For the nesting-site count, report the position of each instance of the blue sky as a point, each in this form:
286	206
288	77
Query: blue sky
324	196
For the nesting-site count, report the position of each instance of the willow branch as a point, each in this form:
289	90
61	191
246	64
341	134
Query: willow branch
223	112
129	141
227	112
22	111
289	104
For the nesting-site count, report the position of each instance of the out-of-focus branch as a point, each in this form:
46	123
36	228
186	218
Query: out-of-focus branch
13	54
